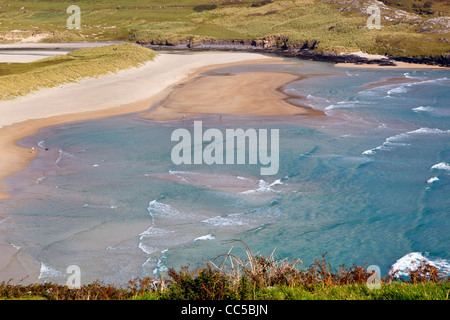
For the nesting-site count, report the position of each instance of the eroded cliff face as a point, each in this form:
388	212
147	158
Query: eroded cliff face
281	46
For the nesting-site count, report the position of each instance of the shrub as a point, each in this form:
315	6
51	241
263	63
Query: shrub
261	3
204	7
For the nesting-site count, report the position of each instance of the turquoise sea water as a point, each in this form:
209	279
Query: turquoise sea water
370	184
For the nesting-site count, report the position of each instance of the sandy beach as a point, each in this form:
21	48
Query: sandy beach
127	91
166	88
138	89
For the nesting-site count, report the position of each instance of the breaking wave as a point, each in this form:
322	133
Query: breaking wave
398	140
411	262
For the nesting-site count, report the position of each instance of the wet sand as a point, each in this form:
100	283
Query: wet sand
221	182
247	93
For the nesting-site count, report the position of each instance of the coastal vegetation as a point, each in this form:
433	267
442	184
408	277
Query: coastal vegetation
22	78
408	27
254	278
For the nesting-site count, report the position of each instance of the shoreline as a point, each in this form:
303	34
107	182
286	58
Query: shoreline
27	115
122	93
249	94
270	45
92	99
399	65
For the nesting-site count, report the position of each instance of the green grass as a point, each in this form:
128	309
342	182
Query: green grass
428	8
389	291
337	26
22	78
393	291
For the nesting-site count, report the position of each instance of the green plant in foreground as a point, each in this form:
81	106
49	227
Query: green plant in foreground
229	277
258	277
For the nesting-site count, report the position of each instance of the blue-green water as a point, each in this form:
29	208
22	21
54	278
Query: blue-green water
370	184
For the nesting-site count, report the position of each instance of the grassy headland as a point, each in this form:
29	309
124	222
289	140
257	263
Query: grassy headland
408	27
22	78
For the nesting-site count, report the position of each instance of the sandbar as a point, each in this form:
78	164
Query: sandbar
125	92
128	91
246	93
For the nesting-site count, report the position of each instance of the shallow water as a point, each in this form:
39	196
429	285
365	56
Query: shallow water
368	185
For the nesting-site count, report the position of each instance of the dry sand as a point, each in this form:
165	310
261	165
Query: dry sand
29	56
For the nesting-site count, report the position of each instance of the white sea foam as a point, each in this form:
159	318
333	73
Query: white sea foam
160	266
41	144
431	180
399	90
146	248
406	86
63	154
4	225
153	232
263	187
398	140
49	272
146	237
411	262
39	180
14	246
179	172
156	208
226	221
370	151
98	206
409	76
422	108
351	74
441	166
205	237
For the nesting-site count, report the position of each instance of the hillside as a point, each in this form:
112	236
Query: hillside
408	27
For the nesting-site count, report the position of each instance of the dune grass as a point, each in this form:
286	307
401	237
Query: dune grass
21	78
